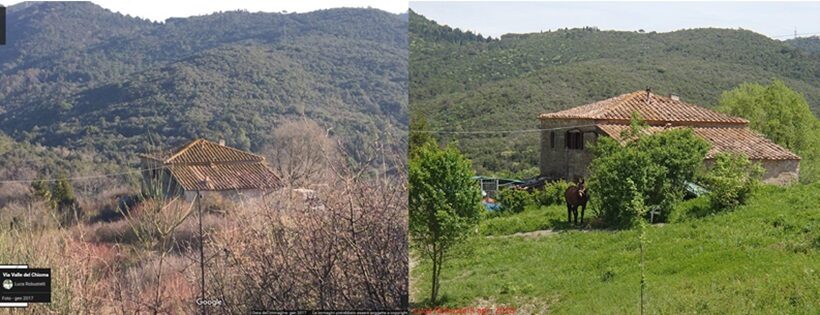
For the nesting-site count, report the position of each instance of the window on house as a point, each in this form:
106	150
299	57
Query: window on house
575	140
552	139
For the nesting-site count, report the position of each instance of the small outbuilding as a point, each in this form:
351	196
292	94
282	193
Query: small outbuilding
566	135
202	166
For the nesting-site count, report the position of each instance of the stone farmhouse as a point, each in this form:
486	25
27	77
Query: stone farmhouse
566	135
203	167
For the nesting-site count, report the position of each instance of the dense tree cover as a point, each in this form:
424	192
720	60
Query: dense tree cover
78	76
504	84
783	115
444	204
22	161
425	29
657	165
809	44
419	135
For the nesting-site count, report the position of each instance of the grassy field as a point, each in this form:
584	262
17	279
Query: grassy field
533	218
761	258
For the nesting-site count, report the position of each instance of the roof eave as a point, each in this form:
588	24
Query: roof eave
740	122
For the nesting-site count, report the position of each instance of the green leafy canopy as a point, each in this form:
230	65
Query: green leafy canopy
444	199
658	165
783	115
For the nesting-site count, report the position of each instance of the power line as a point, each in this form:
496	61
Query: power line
795	35
497	131
78	178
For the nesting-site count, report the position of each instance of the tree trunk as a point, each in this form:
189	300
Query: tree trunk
434	289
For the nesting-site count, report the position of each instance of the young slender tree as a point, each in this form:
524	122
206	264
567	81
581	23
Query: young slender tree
444	204
640	209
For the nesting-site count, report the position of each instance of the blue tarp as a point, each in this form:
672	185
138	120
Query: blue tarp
491	206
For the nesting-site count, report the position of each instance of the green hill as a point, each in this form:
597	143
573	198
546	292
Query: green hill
809	44
504	84
78	76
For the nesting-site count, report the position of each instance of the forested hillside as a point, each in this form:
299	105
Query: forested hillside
810	44
76	76
469	84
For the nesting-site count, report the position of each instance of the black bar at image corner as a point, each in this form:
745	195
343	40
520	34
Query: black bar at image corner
2	25
22	293
21	297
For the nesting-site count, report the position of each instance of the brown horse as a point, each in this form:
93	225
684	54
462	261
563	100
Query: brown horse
576	196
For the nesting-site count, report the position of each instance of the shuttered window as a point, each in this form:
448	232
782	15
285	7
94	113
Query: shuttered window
575	140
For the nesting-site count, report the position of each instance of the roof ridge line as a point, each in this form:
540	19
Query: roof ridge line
621	103
182	150
235	149
191	144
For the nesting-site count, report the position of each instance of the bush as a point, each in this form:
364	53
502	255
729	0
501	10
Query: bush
552	193
658	165
514	200
693	208
731	180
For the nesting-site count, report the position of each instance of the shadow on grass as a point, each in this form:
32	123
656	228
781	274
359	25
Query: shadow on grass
701	210
695	208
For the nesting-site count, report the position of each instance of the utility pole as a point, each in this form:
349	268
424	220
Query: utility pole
201	253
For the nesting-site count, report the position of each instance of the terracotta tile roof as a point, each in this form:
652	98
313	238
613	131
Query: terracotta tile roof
204	151
650	106
723	139
204	165
224	176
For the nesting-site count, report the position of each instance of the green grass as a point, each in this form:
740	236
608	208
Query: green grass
533	218
761	258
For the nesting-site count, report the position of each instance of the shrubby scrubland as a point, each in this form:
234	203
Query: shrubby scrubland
335	239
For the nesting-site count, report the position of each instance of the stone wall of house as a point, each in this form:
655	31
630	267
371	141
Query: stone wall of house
777	172
782	172
557	161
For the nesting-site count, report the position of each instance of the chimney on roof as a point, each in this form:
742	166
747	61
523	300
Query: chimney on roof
674	97
222	142
648	95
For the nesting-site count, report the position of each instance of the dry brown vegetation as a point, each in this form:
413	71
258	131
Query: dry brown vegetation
337	242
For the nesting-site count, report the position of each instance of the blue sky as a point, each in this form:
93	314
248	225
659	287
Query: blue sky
773	19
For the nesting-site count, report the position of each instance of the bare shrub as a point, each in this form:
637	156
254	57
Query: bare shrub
336	242
75	281
27	215
300	153
157	285
15	191
342	247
